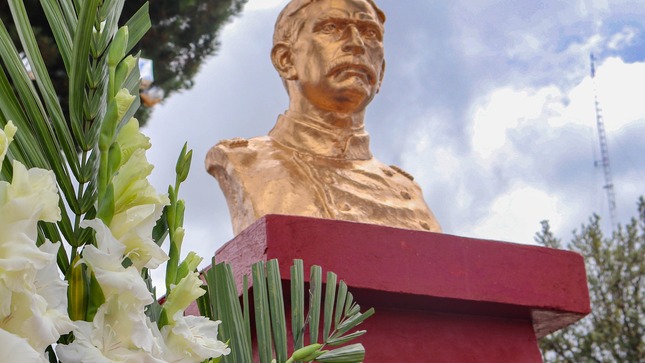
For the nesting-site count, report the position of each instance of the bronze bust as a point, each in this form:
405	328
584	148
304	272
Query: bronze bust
316	160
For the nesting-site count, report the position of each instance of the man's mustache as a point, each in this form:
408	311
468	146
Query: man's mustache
341	64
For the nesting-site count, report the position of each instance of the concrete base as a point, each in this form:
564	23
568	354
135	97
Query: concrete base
438	298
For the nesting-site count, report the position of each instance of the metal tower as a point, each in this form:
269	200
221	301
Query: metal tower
604	150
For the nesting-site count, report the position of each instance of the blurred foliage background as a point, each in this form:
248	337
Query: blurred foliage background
184	33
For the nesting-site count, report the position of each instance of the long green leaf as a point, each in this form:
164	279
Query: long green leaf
315	286
26	147
340	302
80	66
352	322
138	25
232	319
276	306
262	314
349	354
60	30
109	14
70	15
297	304
47	91
346	338
36	120
330	294
246	313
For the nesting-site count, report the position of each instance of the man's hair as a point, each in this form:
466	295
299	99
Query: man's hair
288	25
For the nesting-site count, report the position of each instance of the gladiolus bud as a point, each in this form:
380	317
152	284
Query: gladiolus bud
118	47
77	290
304	352
188	265
124	69
183	164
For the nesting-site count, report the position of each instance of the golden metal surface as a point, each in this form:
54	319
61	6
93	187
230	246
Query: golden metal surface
316	160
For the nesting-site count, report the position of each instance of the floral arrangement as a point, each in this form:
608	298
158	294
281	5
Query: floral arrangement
81	226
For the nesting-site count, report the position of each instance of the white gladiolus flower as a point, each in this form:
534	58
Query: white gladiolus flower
33	297
192	339
105	260
133	228
137	206
181	296
120	333
39	311
16	349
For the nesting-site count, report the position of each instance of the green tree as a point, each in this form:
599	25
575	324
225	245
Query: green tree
615	329
183	34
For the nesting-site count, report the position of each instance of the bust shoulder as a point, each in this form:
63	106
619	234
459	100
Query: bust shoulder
238	152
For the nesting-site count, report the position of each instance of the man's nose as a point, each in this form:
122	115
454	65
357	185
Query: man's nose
354	42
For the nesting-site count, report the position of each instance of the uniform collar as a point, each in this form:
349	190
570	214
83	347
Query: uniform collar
314	137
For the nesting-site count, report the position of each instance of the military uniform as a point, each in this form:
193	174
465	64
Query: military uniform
306	168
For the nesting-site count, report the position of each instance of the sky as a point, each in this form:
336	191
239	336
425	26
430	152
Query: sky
489	104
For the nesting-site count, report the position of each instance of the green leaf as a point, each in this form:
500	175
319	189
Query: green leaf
60	29
69	13
160	230
330	293
315	286
47	91
138	24
352	322
25	147
262	314
298	303
229	312
350	354
96	297
340	302
110	13
204	304
34	119
80	67
346	338
246	313
276	306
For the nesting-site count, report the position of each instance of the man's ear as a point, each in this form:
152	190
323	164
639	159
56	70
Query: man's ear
281	57
380	79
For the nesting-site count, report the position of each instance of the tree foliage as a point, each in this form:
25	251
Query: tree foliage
615	329
183	34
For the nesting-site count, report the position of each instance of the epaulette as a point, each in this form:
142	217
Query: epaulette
234	143
402	172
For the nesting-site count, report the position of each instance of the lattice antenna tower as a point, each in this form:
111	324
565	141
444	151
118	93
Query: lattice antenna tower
604	149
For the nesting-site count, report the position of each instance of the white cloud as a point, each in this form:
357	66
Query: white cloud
506	109
514	216
623	39
264	4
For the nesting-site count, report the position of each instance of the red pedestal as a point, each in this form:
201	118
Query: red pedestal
438	298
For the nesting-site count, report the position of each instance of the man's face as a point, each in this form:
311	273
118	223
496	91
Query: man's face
338	55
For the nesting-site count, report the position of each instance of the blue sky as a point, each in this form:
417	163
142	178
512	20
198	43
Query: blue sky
488	104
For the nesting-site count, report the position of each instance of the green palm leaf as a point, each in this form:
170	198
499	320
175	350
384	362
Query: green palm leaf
343	316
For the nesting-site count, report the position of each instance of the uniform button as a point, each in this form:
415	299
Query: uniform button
425	226
345	207
406	195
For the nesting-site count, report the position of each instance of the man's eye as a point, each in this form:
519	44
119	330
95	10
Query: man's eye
329	28
370	33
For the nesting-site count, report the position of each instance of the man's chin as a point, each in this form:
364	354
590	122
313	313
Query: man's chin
352	100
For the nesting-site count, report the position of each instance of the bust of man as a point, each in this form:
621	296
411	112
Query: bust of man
316	160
